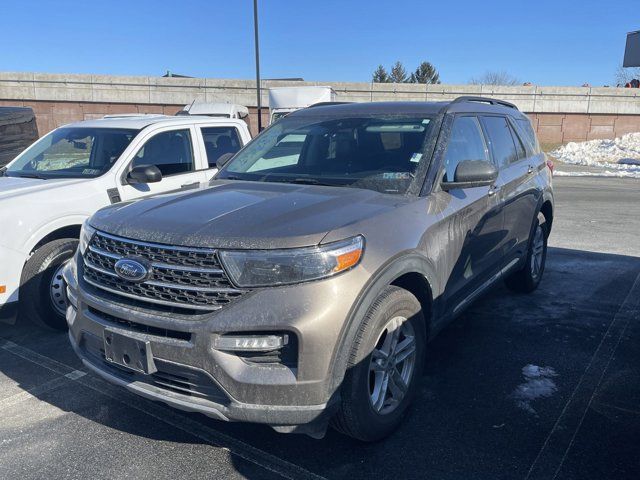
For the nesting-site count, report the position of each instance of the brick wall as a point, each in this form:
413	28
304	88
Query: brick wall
575	127
51	115
552	128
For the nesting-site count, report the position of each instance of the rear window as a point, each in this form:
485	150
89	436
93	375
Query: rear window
500	140
219	141
529	135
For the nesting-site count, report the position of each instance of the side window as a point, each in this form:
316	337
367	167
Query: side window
529	135
170	151
500	140
218	141
519	146
465	143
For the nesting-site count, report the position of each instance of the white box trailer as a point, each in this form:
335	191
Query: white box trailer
284	100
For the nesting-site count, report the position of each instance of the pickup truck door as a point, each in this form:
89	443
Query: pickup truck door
217	140
176	154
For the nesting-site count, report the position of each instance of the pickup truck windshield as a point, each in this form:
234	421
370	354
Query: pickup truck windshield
379	153
72	153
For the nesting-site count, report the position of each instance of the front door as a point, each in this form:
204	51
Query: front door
473	216
176	156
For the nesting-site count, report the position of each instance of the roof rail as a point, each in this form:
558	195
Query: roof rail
490	101
324	104
133	115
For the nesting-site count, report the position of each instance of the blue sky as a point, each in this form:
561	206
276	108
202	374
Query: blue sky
545	42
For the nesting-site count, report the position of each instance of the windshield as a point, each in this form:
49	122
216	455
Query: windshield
72	153
380	153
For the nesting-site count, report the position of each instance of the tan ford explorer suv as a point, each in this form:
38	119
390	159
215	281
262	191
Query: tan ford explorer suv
300	288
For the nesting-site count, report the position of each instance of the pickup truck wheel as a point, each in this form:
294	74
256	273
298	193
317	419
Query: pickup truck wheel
385	366
42	295
527	279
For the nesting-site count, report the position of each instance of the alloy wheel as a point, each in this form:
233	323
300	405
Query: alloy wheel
392	365
537	252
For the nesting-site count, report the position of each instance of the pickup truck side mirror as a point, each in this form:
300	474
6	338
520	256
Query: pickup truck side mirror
472	173
224	159
144	174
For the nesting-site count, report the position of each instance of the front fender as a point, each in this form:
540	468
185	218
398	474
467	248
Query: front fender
57	224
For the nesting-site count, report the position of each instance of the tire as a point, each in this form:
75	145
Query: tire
361	414
527	279
37	292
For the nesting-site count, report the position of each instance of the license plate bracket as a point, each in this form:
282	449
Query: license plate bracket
128	352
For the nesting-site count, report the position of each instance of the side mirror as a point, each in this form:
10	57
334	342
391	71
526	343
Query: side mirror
472	173
224	159
144	174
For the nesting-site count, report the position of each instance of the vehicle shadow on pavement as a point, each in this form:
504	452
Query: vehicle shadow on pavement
497	381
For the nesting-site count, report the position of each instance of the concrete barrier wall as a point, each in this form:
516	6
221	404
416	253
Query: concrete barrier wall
559	114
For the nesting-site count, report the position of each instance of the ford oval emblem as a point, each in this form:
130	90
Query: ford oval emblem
131	270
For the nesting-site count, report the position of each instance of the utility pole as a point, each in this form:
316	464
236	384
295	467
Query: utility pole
258	93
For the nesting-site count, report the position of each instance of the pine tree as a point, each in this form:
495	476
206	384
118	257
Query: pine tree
398	73
425	73
380	75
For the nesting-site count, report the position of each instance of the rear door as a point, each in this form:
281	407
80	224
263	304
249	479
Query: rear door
517	184
216	141
176	155
473	217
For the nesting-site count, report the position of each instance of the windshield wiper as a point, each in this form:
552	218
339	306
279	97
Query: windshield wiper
307	181
30	175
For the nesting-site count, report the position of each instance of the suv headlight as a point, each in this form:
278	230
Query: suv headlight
262	268
86	234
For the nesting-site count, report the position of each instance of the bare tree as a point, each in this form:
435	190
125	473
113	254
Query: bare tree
380	75
495	78
398	73
625	75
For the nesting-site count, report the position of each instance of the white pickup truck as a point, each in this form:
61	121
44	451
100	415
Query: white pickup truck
49	190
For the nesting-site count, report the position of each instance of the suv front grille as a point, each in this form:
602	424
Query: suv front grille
180	277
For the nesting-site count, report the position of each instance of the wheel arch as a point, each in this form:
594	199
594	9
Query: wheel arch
411	271
547	210
70	231
66	227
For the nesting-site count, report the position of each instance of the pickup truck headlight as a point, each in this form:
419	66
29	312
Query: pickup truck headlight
263	268
86	234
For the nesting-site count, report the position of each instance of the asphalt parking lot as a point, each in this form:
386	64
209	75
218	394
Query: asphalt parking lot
538	386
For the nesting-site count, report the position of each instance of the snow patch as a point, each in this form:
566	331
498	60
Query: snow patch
538	384
597	152
603	173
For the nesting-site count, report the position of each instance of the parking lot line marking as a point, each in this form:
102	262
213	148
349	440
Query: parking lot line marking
76	374
20	397
553	453
209	435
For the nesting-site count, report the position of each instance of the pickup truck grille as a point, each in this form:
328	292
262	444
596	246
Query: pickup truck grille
180	277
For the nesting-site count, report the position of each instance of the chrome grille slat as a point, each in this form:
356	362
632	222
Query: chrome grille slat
180	277
159	265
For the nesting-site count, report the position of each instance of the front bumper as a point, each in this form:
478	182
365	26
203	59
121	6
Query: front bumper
11	263
194	376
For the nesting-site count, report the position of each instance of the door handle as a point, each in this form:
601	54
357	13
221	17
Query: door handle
530	169
190	185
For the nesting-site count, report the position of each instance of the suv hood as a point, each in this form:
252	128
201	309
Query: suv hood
11	187
236	214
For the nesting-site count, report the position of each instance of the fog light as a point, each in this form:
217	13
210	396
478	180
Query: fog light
259	343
